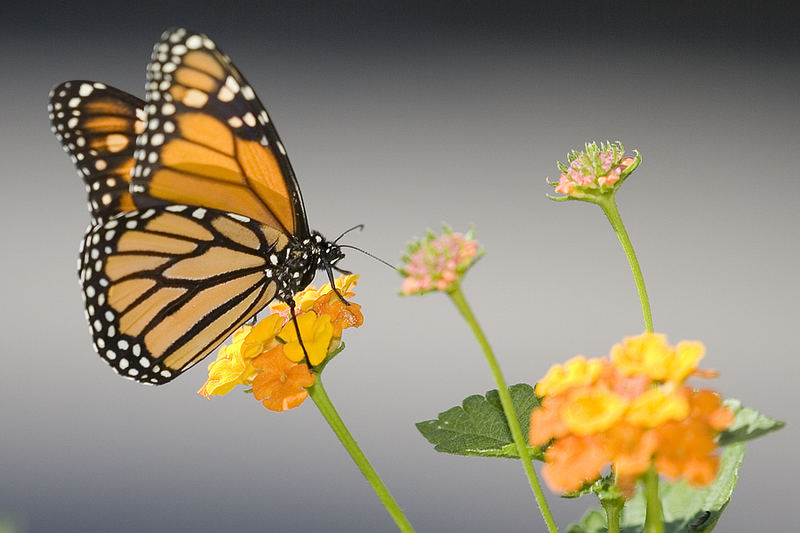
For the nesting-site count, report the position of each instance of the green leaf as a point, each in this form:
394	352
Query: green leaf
478	427
686	510
748	424
593	521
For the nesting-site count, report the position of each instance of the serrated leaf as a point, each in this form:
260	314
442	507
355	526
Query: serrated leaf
748	424
686	510
478	427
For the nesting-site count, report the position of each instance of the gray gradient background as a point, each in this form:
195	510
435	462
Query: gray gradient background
399	117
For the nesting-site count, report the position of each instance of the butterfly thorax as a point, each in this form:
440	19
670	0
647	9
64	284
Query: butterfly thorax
294	267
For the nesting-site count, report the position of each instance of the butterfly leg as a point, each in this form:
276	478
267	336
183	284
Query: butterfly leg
297	329
333	284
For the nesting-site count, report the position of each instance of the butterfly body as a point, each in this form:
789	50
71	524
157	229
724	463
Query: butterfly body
197	217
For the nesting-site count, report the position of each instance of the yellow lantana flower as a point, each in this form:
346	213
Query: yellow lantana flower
577	372
656	406
316	331
687	355
231	367
651	354
592	410
648	353
262	336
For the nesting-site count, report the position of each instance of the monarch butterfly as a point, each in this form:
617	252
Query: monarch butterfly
197	217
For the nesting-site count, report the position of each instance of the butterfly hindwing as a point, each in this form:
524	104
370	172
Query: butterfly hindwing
209	140
97	126
165	286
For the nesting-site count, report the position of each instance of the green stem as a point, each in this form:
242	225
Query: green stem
609	206
508	408
613	508
320	397
654	522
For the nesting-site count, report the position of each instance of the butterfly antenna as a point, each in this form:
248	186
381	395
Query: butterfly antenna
375	257
345	232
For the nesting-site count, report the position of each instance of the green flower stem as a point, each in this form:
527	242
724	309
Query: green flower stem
654	522
609	206
320	397
613	508
508	408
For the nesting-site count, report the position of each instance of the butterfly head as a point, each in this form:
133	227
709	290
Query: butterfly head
330	253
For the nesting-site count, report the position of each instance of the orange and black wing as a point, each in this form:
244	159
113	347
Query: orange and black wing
165	286
209	141
97	126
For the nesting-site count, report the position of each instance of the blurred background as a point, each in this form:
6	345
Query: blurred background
401	115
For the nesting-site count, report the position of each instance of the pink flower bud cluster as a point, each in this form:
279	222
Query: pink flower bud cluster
586	172
438	263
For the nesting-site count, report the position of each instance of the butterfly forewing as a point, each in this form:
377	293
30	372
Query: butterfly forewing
165	286
97	125
209	141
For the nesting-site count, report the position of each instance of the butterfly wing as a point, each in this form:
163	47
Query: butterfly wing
165	286
209	141
97	126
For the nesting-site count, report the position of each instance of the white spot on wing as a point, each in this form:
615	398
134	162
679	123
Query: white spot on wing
194	42
85	90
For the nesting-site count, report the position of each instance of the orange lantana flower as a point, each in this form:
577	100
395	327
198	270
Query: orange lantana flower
629	412
281	384
573	461
342	315
270	357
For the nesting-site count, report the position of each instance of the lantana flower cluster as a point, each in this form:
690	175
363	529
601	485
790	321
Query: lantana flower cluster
269	356
630	411
438	263
597	169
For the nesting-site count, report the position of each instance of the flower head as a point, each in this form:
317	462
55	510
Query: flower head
596	171
629	411
438	263
273	359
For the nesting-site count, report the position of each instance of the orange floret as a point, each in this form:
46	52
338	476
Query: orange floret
282	384
573	461
546	421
